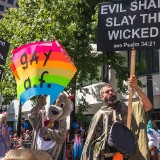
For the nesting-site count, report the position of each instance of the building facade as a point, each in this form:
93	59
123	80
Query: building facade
5	4
13	112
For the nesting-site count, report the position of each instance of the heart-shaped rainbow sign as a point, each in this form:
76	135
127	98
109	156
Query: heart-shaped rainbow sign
41	68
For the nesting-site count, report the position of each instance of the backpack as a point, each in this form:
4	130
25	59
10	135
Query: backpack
121	139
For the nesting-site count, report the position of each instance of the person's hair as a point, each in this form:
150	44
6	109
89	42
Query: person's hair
102	89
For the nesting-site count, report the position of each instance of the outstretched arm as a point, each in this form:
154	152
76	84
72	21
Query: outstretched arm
142	96
35	114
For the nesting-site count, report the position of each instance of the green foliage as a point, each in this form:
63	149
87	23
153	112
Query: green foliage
73	23
83	106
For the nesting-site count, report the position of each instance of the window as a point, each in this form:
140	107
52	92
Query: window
1	8
144	59
1	16
141	60
11	2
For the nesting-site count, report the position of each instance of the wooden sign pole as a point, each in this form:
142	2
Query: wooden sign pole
43	117
45	108
130	90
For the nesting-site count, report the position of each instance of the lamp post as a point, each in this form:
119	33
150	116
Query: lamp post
73	117
19	120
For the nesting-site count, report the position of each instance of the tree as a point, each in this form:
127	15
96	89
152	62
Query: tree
72	23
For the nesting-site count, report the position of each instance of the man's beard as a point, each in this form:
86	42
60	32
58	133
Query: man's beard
112	100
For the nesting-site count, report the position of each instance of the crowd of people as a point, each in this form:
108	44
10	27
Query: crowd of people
75	146
24	141
95	143
73	149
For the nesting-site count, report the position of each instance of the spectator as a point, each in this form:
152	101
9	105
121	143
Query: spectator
12	140
5	141
79	139
154	139
27	135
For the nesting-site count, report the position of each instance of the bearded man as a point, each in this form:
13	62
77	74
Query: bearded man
96	147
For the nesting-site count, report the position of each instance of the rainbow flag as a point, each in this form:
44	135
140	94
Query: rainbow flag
41	68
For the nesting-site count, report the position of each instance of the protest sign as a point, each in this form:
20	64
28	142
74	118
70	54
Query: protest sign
4	48
129	24
1	72
41	68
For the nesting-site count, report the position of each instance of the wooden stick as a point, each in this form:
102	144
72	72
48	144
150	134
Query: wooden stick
46	108
130	90
43	117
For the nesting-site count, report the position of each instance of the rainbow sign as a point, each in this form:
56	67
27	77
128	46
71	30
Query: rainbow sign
41	68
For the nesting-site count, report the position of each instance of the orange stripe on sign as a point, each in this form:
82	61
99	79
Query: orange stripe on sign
50	64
